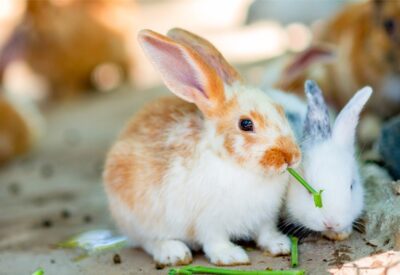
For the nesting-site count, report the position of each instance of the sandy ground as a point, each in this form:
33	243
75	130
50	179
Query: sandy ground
56	192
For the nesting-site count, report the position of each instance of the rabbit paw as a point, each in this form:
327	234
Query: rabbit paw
172	253
226	254
337	236
278	244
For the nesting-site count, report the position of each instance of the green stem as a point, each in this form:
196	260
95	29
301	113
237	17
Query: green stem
40	271
188	270
316	195
294	257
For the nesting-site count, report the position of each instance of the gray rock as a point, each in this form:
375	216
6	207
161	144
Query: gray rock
389	146
382	209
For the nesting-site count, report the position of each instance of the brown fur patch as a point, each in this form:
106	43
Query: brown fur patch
15	134
191	232
139	160
229	147
280	110
365	54
287	145
259	119
285	152
273	158
223	112
228	144
75	39
249	139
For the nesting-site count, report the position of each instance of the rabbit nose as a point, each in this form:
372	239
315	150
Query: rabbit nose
293	160
331	226
328	226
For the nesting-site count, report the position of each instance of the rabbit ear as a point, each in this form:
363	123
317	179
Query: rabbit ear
302	62
208	52
317	124
344	130
183	70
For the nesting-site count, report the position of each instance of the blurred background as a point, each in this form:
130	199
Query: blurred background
58	51
72	73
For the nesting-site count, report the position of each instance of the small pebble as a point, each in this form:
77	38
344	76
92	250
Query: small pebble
47	171
14	188
65	214
396	187
87	219
47	223
72	137
117	259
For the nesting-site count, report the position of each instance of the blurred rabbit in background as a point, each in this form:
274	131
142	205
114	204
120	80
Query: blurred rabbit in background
59	50
357	47
67	42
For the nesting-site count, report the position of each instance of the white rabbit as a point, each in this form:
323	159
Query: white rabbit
329	163
184	174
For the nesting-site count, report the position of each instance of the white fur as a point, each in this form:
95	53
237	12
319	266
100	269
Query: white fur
221	199
208	198
331	166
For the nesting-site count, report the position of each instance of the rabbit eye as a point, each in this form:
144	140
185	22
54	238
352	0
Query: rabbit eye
389	26
246	125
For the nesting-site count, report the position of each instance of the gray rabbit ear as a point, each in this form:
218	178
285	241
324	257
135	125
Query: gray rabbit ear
317	125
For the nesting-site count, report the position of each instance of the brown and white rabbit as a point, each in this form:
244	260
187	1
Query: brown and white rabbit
366	51
204	167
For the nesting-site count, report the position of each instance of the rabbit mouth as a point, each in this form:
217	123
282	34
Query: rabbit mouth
283	168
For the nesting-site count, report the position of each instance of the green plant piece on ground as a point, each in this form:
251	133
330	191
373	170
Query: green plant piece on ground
316	194
95	241
294	256
188	270
39	271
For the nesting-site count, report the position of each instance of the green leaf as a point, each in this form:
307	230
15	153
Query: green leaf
95	241
39	271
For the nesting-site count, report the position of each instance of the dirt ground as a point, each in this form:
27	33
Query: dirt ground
56	192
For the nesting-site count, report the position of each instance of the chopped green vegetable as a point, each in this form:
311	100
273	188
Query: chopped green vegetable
95	241
316	195
40	271
294	257
188	270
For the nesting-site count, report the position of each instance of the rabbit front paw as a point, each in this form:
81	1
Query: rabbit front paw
224	254
171	252
275	244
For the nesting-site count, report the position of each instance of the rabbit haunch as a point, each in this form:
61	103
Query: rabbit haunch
183	172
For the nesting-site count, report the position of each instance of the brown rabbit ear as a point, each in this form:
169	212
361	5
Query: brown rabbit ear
183	70
208	52
303	61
